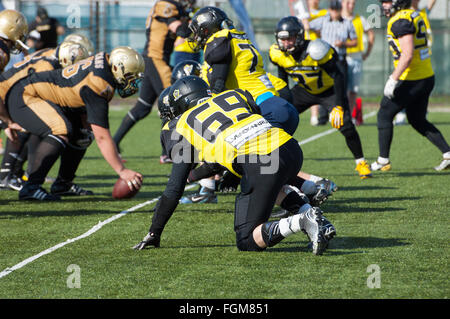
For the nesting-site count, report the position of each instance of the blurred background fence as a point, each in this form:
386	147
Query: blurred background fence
111	23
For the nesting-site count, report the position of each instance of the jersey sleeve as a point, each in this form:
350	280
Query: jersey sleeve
402	27
218	51
166	11
96	107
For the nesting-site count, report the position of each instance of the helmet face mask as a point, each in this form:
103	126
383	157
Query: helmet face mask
395	5
204	24
165	111
127	67
290	34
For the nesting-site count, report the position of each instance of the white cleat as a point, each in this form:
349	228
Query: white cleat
445	164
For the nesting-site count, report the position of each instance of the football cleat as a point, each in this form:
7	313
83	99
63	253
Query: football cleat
330	186
363	170
150	239
376	166
65	188
320	196
328	229
311	225
445	164
204	196
11	182
36	192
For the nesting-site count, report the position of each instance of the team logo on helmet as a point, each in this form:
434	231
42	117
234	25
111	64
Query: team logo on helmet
176	95
188	68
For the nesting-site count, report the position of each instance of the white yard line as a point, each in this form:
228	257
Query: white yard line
97	227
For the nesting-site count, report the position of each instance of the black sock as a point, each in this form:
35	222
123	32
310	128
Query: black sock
70	160
45	157
33	143
384	141
127	123
353	142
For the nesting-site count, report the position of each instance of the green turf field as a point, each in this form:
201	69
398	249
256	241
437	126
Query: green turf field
397	221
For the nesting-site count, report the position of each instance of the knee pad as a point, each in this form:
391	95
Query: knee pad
247	243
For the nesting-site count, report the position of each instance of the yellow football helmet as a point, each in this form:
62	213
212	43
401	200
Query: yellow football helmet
83	40
14	27
128	67
70	52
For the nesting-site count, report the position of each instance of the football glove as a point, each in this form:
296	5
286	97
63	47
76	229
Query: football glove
149	240
228	182
337	117
390	87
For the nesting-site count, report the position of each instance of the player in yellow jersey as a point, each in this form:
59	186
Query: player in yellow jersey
224	129
400	118
232	62
410	84
312	65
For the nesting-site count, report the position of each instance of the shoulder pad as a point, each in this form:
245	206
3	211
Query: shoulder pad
317	49
275	53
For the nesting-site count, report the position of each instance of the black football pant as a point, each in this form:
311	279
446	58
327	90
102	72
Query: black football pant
303	100
260	188
412	96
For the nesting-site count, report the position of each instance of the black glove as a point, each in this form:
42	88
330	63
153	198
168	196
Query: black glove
228	182
149	240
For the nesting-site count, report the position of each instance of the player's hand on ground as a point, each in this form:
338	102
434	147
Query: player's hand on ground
149	240
133	179
337	117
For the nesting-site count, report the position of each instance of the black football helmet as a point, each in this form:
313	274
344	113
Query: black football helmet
186	93
397	5
185	68
205	23
165	111
289	27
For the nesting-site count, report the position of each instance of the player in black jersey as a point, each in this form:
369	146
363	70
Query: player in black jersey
39	104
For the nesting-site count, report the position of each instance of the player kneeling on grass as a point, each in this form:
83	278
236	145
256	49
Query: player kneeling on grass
42	100
224	129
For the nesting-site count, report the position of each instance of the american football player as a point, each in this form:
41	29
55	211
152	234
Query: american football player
319	80
224	130
410	84
13	31
37	103
166	20
232	62
66	54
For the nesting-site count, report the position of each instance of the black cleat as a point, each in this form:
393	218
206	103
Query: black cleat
11	182
63	188
36	192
